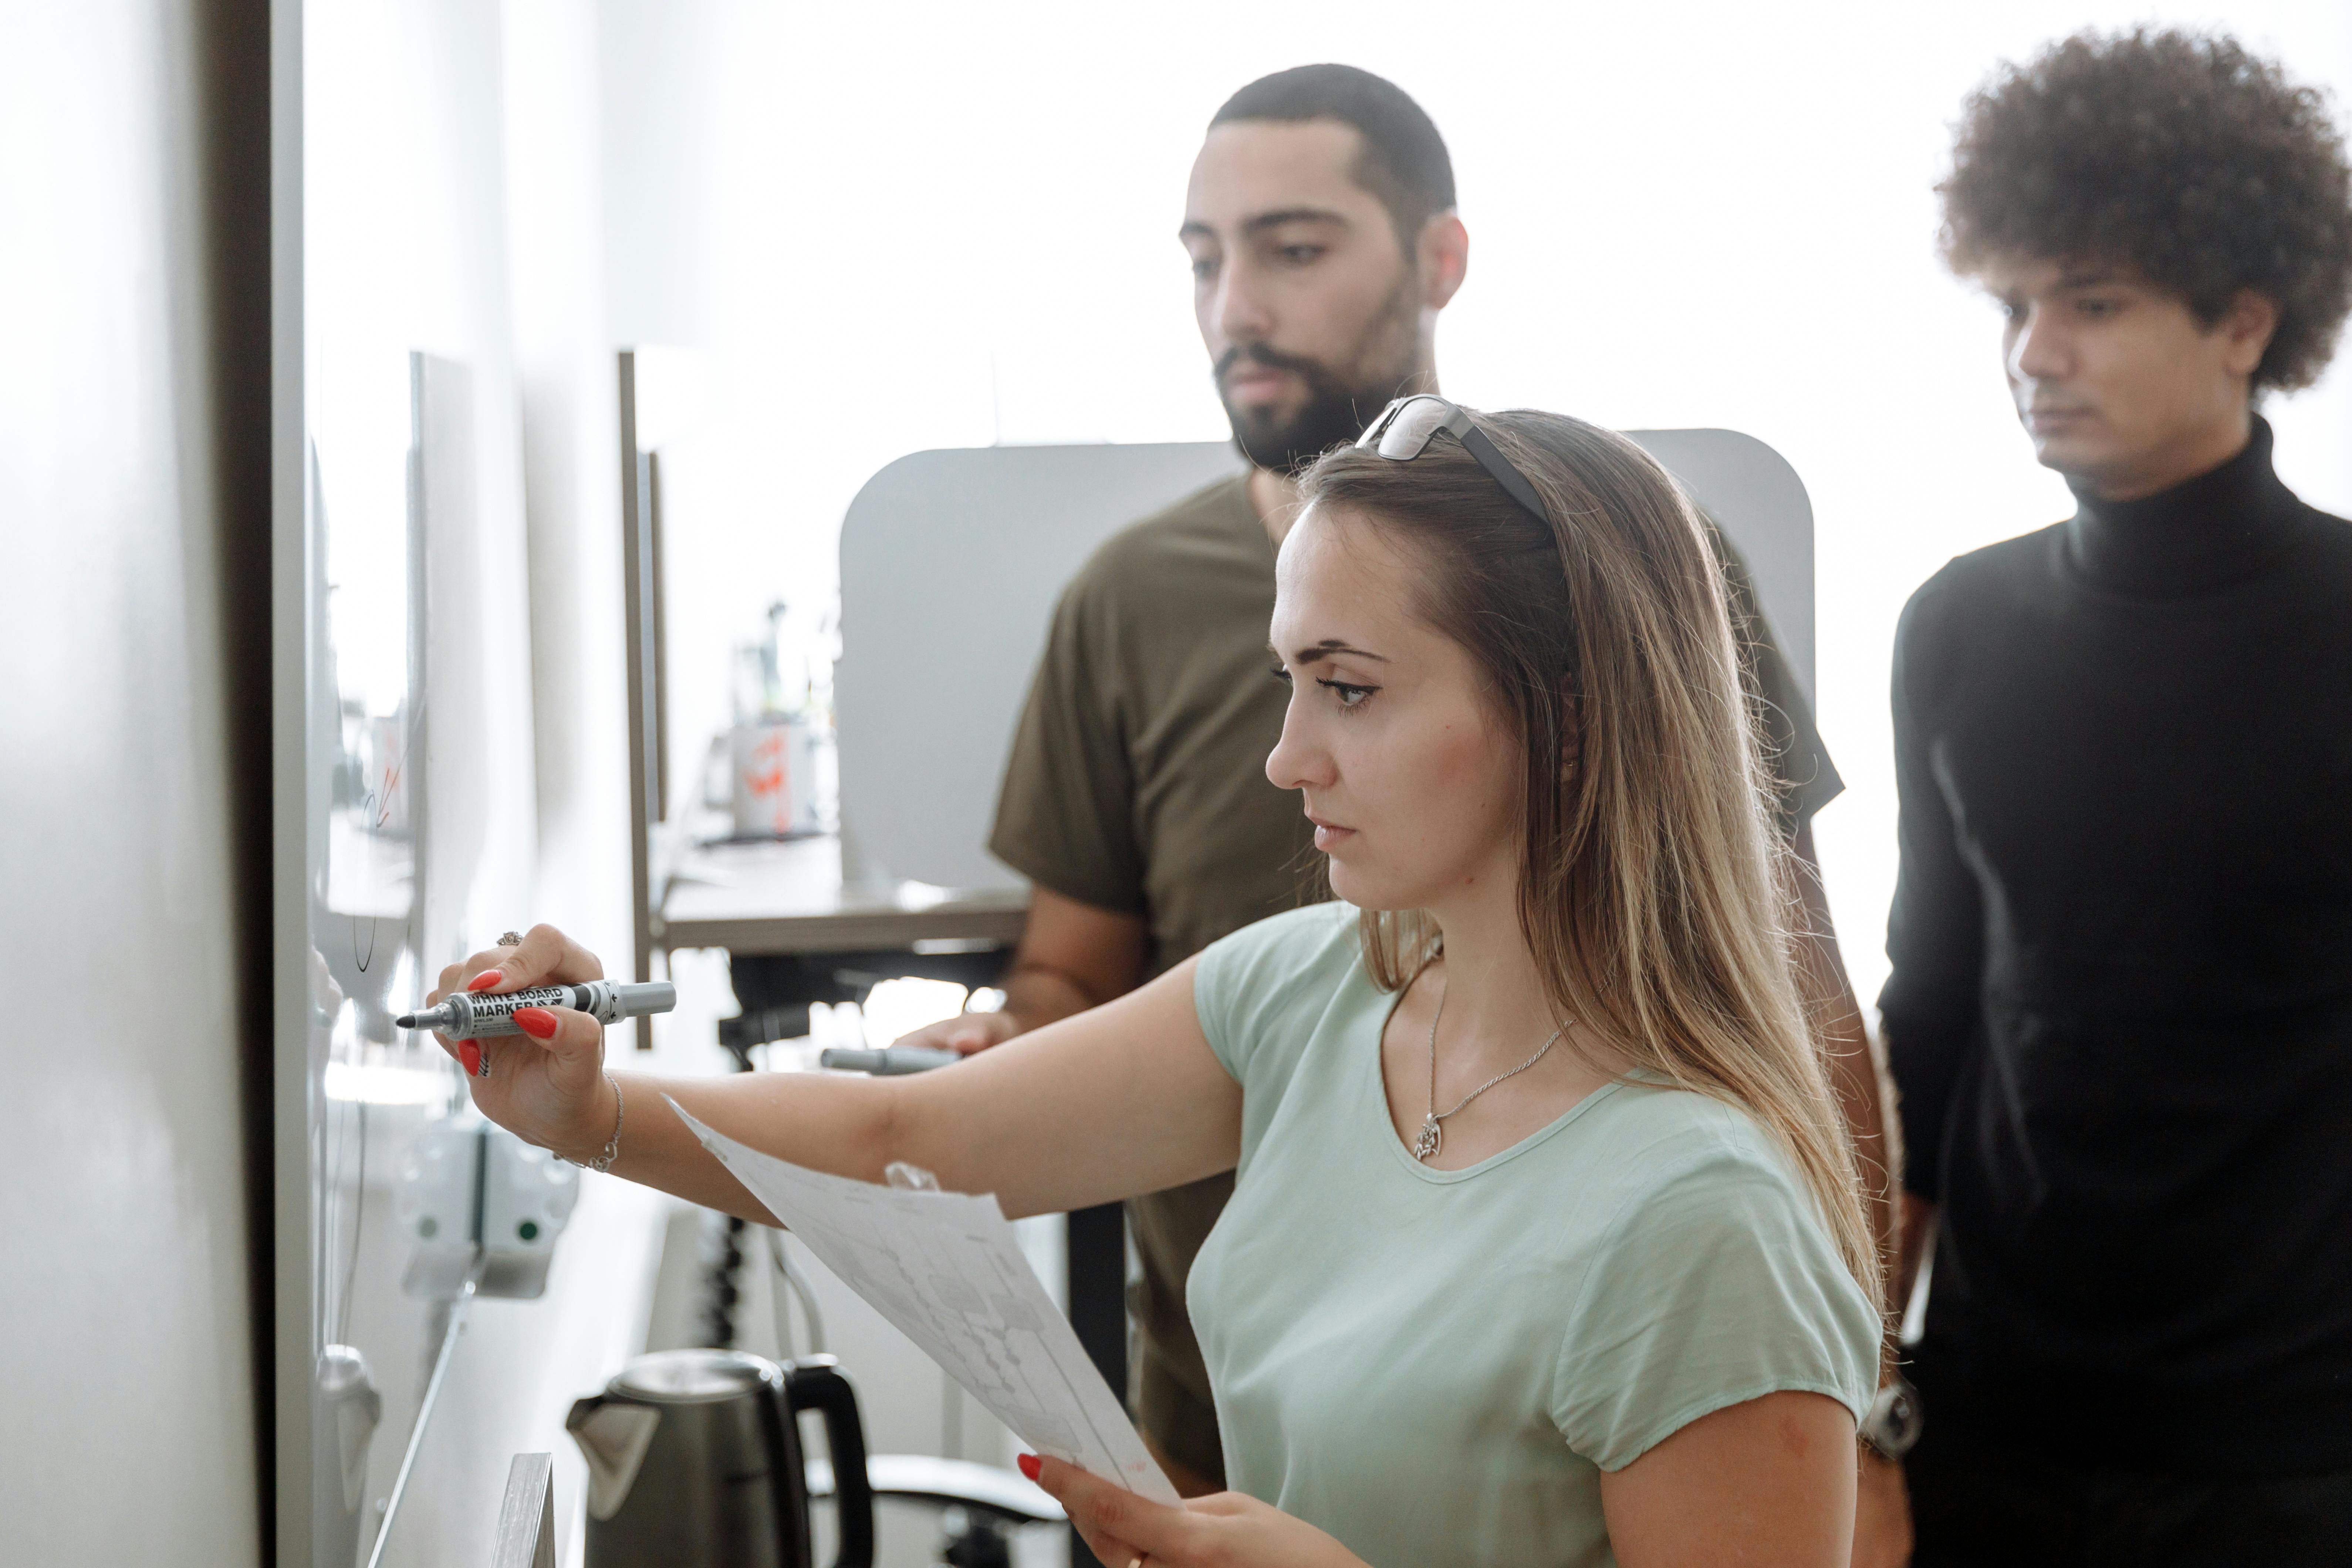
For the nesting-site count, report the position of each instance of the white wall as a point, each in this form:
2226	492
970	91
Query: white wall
571	451
128	1431
406	247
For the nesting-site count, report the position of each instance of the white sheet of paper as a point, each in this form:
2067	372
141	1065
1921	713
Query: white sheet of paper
947	1271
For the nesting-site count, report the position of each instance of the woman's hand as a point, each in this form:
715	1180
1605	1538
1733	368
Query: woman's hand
967	1033
546	1085
1226	1529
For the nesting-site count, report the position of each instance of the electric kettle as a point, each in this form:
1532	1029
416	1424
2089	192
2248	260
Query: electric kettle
694	1461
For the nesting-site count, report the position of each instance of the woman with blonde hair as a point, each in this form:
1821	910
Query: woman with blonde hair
1546	1243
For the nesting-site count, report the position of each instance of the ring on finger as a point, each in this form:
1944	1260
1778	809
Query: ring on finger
512	938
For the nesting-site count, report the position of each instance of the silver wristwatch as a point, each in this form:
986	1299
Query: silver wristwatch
1892	1425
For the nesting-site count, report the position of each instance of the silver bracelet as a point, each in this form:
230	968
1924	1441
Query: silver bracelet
611	1150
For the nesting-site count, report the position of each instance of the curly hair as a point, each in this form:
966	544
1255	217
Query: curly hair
2180	154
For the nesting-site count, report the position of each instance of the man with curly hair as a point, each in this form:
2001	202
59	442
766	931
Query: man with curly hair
2120	1012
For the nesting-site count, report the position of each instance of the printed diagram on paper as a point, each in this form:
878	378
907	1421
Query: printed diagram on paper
945	1269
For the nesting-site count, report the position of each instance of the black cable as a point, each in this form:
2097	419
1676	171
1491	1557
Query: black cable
721	1293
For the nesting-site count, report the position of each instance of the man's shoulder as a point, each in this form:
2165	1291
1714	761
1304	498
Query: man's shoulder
1212	525
1967	584
2331	539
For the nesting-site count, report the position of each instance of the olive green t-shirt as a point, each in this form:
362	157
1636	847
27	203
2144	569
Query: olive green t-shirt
1136	782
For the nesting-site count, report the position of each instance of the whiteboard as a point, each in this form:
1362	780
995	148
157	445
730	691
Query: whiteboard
408	826
952	562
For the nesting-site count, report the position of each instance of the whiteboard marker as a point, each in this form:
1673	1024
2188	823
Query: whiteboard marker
889	1062
475	1014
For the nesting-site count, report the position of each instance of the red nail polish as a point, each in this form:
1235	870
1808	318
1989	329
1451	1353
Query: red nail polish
471	1054
1030	1465
536	1022
486	979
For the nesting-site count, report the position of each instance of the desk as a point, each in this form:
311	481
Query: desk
788	898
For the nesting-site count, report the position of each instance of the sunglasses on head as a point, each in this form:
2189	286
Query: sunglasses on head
1406	426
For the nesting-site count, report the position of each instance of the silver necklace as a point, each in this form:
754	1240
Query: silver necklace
1432	1136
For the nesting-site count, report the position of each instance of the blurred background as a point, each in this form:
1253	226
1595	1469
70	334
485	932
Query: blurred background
886	229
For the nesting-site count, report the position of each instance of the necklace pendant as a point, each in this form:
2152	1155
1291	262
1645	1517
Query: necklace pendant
1424	1147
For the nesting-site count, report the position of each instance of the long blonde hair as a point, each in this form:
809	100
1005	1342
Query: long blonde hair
1656	896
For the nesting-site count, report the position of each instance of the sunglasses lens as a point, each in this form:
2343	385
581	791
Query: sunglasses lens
1409	426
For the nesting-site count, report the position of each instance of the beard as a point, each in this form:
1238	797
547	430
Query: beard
1337	407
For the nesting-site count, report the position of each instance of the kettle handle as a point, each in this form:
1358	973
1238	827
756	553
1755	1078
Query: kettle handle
815	1383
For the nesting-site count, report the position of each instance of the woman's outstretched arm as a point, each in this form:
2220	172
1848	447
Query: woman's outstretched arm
1123	1100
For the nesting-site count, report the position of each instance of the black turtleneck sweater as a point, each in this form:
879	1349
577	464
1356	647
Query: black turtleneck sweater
2120	1014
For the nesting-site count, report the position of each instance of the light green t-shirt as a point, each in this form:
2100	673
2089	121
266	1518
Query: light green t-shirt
1435	1366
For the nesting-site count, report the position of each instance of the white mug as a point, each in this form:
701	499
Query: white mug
783	778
